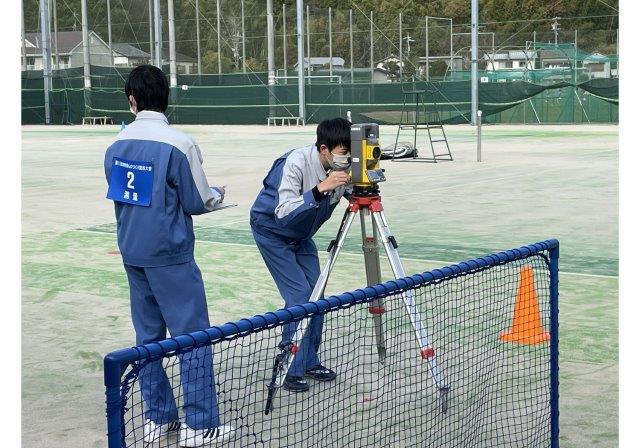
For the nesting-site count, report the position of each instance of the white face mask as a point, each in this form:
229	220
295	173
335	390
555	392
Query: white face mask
340	162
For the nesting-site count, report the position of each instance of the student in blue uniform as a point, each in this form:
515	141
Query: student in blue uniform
300	192
157	184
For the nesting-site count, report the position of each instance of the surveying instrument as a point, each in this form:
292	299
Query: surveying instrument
365	201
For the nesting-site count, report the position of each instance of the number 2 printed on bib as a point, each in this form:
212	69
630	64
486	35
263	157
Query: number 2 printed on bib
131	182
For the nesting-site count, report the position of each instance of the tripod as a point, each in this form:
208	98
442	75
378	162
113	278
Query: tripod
366	202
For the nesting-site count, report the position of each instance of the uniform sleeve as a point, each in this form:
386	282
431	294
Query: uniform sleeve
187	175
294	205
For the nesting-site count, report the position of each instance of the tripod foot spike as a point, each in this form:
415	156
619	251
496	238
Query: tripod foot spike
382	354
444	399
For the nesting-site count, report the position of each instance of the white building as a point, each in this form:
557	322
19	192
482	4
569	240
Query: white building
599	66
509	60
69	50
320	63
70	53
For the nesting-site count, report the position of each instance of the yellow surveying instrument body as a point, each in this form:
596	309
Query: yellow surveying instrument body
365	155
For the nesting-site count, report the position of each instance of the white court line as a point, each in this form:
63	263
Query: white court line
221	224
351	254
450	187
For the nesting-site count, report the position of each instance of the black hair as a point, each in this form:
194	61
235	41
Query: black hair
149	87
334	132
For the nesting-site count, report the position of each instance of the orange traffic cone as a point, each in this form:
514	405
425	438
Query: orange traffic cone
526	327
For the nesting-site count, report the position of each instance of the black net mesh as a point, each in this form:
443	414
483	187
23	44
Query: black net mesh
498	390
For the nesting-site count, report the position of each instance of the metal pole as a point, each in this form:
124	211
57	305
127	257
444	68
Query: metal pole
157	22
173	70
55	33
575	57
330	46
108	31
535	58
284	40
479	136
46	55
86	55
198	37
244	48
400	34
450	44
493	43
300	33
24	44
308	47
554	255
271	58
474	61
426	47
151	31
218	32
351	42
575	75
371	41
618	52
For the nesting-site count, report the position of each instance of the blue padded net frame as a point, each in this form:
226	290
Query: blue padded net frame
526	417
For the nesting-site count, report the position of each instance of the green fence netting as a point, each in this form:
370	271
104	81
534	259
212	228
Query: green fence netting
247	99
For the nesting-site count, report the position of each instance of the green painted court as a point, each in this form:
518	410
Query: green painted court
535	182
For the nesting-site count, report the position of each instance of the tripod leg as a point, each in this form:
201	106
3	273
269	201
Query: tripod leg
372	268
426	351
283	364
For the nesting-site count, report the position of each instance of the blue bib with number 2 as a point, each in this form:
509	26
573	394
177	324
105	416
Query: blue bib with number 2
131	182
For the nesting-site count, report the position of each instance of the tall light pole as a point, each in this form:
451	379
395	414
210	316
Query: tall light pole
173	72
284	40
151	45
474	62
157	22
198	38
24	43
218	30
86	55
351	43
46	56
244	48
371	43
271	66
300	34
109	32
55	34
330	45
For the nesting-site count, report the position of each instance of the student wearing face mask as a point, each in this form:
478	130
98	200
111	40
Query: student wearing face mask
299	194
157	184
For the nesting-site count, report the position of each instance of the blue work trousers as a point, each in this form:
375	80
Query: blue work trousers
295	268
172	297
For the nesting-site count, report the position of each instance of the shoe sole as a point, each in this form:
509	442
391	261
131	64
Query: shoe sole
164	435
295	390
224	438
324	380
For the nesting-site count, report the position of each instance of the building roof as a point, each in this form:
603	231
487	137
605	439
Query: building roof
321	60
68	41
129	50
596	58
512	55
388	58
179	56
445	57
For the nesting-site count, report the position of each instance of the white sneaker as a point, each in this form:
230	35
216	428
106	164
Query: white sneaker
199	437
153	431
